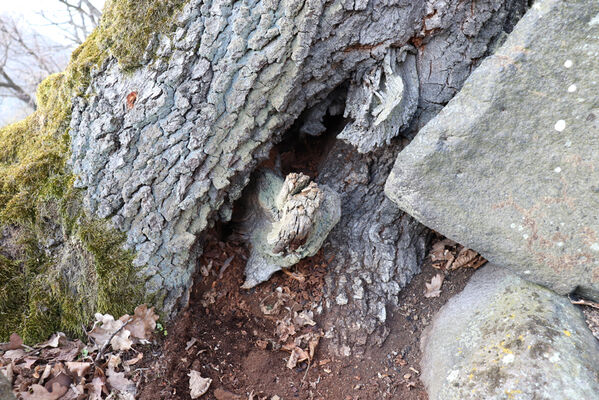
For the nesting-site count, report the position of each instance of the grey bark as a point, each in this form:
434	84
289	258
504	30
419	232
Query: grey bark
214	97
377	248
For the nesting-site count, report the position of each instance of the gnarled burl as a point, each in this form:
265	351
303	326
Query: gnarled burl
287	221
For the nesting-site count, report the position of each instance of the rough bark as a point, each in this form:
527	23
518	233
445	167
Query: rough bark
165	150
377	248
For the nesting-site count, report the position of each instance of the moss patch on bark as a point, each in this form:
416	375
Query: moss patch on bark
58	265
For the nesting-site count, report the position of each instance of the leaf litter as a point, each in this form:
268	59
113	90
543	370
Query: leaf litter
433	289
61	368
448	255
296	329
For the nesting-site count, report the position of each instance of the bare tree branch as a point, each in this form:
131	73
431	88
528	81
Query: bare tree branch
26	57
82	18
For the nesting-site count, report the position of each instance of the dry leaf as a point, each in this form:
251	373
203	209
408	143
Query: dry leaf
433	289
95	388
66	351
131	98
197	385
114	361
59	374
14	342
78	368
28	362
467	258
304	318
143	322
312	344
14	355
46	372
285	329
104	332
448	255
104	327
464	257
209	298
118	382
75	392
205	269
134	360
297	355
55	340
38	392
121	341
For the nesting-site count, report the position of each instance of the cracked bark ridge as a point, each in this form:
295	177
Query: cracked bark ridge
377	248
213	97
383	102
298	202
285	222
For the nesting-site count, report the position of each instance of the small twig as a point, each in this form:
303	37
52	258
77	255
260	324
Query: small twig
306	373
28	348
225	266
294	275
584	303
105	345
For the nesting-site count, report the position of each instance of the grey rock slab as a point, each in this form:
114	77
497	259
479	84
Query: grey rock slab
510	167
506	338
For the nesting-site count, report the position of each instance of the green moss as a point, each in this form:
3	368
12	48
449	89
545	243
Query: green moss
113	266
135	20
68	266
13	301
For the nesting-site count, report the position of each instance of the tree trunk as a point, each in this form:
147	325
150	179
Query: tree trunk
165	150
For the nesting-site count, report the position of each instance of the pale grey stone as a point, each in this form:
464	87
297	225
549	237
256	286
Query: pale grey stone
510	167
505	338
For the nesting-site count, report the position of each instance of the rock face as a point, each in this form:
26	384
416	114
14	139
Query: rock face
506	338
287	220
510	167
163	151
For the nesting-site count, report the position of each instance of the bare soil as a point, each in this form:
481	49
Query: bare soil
225	335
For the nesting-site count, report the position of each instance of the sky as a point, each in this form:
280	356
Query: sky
28	12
